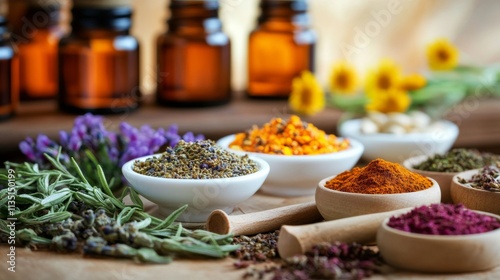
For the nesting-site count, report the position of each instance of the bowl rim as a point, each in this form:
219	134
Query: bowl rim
455	181
420	158
322	183
450	127
423	236
262	171
355	148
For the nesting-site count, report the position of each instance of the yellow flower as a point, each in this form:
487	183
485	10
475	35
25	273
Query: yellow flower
307	97
413	82
442	55
385	77
344	78
393	100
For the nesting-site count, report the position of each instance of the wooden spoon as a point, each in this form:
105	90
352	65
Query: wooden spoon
295	240
263	221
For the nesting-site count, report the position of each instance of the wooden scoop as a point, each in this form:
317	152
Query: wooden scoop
263	221
361	229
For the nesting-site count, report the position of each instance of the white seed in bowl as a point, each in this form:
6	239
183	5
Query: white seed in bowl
400	119
420	119
380	119
368	126
398	123
394	129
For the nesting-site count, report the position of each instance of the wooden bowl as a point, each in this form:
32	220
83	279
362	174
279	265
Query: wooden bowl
439	253
442	178
474	198
337	205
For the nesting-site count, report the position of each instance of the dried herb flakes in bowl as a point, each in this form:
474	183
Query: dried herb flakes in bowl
458	160
488	179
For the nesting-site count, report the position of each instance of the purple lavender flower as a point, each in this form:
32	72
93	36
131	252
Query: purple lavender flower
27	147
111	149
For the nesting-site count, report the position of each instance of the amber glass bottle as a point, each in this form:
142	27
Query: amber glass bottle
9	73
194	56
99	60
281	46
38	49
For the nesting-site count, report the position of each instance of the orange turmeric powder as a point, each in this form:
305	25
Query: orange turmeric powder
379	177
294	137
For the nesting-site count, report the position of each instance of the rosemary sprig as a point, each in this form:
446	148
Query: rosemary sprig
45	200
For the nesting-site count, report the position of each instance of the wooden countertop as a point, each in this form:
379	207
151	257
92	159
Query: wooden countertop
478	121
44	265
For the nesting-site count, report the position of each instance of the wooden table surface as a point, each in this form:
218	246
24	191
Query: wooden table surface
43	265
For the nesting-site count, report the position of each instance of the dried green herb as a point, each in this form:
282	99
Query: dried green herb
458	160
60	209
196	160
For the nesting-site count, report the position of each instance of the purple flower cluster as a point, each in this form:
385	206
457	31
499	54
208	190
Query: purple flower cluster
111	149
444	219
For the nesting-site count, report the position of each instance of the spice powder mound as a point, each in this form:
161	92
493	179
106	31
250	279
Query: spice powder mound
196	160
379	177
292	137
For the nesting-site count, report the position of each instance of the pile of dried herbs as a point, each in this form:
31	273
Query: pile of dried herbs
259	255
458	160
487	179
255	249
58	208
324	261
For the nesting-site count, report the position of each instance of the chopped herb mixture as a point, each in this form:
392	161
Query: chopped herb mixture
458	160
196	160
487	179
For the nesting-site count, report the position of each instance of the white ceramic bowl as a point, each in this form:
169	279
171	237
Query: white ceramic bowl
443	178
334	204
202	195
439	253
397	148
299	175
474	198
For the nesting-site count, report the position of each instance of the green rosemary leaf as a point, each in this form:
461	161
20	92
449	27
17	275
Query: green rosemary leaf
149	255
79	171
179	231
171	218
125	215
29	235
104	183
123	195
135	198
142	224
47	218
26	198
56	198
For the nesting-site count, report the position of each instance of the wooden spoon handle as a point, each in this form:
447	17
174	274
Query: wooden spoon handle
263	221
361	229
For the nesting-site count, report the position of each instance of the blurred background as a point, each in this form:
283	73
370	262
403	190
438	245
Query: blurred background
362	32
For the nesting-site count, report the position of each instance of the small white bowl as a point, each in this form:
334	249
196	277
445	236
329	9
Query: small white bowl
397	148
439	253
443	178
474	198
299	175
334	204
202	195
